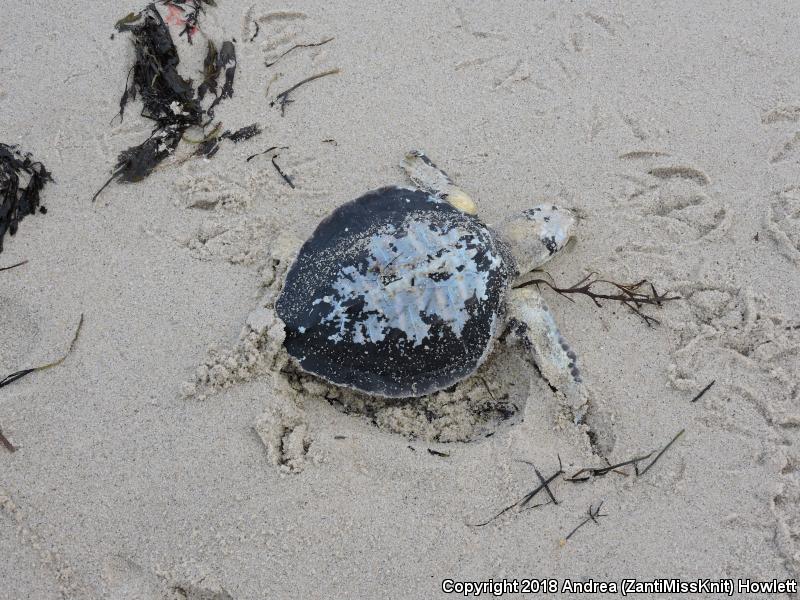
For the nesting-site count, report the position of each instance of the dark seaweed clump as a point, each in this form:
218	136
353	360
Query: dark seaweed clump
192	9
167	98
18	200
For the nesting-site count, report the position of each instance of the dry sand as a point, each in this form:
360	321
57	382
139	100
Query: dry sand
674	128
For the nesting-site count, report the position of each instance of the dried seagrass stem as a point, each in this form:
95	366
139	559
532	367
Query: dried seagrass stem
20	374
634	296
593	515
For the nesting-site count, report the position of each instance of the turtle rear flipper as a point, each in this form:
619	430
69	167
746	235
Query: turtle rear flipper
431	179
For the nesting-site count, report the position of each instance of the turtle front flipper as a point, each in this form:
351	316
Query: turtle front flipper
431	179
531	322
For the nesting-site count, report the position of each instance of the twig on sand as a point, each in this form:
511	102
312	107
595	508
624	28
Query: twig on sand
672	441
587	473
295	47
283	99
267	151
4	441
544	484
704	390
20	374
593	515
433	452
19	264
286	178
634	296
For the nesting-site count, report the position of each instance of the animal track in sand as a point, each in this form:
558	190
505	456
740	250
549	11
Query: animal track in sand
604	22
128	580
673	200
239	240
787	150
209	192
496	54
680	172
782	221
723	329
284	432
40	554
235	228
788	113
726	334
263	180
465	25
521	71
789	146
252	22
591	27
283	35
784	508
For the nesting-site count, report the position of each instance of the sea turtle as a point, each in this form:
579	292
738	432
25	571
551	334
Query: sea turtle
403	291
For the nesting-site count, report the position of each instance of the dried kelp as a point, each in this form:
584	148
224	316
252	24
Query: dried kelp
186	13
211	69
226	59
167	98
19	199
209	145
245	133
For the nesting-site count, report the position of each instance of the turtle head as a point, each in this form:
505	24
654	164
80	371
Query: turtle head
538	234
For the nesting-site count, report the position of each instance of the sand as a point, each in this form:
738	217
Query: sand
141	472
